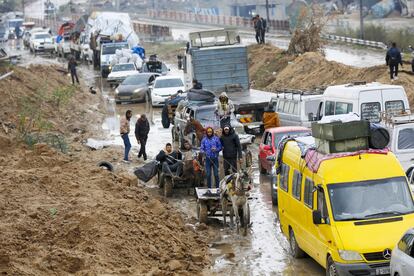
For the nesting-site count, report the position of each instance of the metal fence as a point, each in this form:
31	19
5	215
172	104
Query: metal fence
278	25
355	41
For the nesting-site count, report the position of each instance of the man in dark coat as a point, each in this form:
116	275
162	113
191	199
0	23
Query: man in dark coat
170	159
142	129
257	24
393	58
72	64
231	150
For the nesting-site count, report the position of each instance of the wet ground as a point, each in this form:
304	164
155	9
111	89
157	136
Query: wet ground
264	251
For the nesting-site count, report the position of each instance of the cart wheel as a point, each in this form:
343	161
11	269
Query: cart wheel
202	212
168	187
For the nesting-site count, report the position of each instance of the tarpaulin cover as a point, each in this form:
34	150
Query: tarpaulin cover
111	24
147	172
200	95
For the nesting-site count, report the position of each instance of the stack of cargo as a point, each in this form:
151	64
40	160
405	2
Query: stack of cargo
126	56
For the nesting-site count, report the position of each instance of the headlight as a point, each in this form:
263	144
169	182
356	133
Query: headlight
136	91
349	255
116	91
109	67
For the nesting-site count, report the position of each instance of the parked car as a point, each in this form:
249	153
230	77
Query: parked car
296	108
135	88
402	257
63	46
154	66
268	151
164	87
271	138
41	42
120	72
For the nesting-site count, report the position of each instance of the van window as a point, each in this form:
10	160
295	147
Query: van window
281	105
406	139
296	184
329	108
308	196
406	243
394	107
343	108
371	112
322	205
284	177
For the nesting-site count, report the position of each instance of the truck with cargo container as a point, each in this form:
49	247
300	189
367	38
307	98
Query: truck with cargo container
218	60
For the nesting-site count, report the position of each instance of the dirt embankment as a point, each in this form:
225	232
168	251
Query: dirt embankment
60	214
312	70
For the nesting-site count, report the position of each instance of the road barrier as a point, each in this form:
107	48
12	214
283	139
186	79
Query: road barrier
355	41
278	25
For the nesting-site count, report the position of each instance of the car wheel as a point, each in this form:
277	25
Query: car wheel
331	268
273	190
164	117
294	246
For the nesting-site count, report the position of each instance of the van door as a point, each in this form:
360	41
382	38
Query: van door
323	232
404	144
370	106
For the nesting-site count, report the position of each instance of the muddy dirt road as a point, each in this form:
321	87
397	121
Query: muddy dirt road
264	251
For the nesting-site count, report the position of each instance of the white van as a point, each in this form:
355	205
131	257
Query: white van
296	108
368	100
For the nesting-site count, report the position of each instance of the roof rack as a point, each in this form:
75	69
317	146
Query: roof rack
355	83
399	117
305	92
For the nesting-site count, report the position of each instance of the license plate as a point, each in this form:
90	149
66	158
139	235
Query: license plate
383	271
125	98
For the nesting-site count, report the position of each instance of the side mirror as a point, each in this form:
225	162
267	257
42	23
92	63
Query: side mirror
317	217
267	147
271	158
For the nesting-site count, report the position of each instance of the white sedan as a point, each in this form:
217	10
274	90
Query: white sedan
164	87
402	259
120	72
42	42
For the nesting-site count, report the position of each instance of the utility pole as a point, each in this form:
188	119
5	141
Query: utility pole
267	11
361	20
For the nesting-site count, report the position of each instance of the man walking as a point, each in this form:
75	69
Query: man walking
257	24
211	146
124	130
263	24
142	129
231	150
72	64
393	58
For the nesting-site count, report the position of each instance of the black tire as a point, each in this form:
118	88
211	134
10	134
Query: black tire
261	169
168	187
202	212
164	117
106	165
272	190
295	250
331	267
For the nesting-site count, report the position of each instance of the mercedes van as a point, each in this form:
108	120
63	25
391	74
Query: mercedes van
347	210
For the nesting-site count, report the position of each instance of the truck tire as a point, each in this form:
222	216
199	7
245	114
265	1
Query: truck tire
331	267
164	117
202	212
168	187
295	250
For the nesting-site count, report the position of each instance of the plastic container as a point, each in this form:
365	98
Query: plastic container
379	137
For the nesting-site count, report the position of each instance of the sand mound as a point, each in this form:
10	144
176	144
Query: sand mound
312	70
62	216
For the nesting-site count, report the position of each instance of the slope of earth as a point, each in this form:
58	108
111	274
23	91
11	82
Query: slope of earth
312	70
62	215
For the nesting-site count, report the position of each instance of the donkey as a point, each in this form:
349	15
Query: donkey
197	127
234	187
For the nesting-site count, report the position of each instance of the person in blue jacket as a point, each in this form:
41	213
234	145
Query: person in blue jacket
393	58
211	146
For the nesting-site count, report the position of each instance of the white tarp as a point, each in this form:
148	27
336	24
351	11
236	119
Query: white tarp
112	24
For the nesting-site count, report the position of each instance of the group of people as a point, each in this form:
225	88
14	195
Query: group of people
142	128
260	26
393	59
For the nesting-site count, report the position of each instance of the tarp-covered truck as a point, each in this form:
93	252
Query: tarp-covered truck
218	60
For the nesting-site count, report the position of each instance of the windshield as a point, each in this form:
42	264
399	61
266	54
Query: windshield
14	23
154	66
279	136
110	50
370	199
136	80
406	138
165	83
124	67
42	36
205	114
